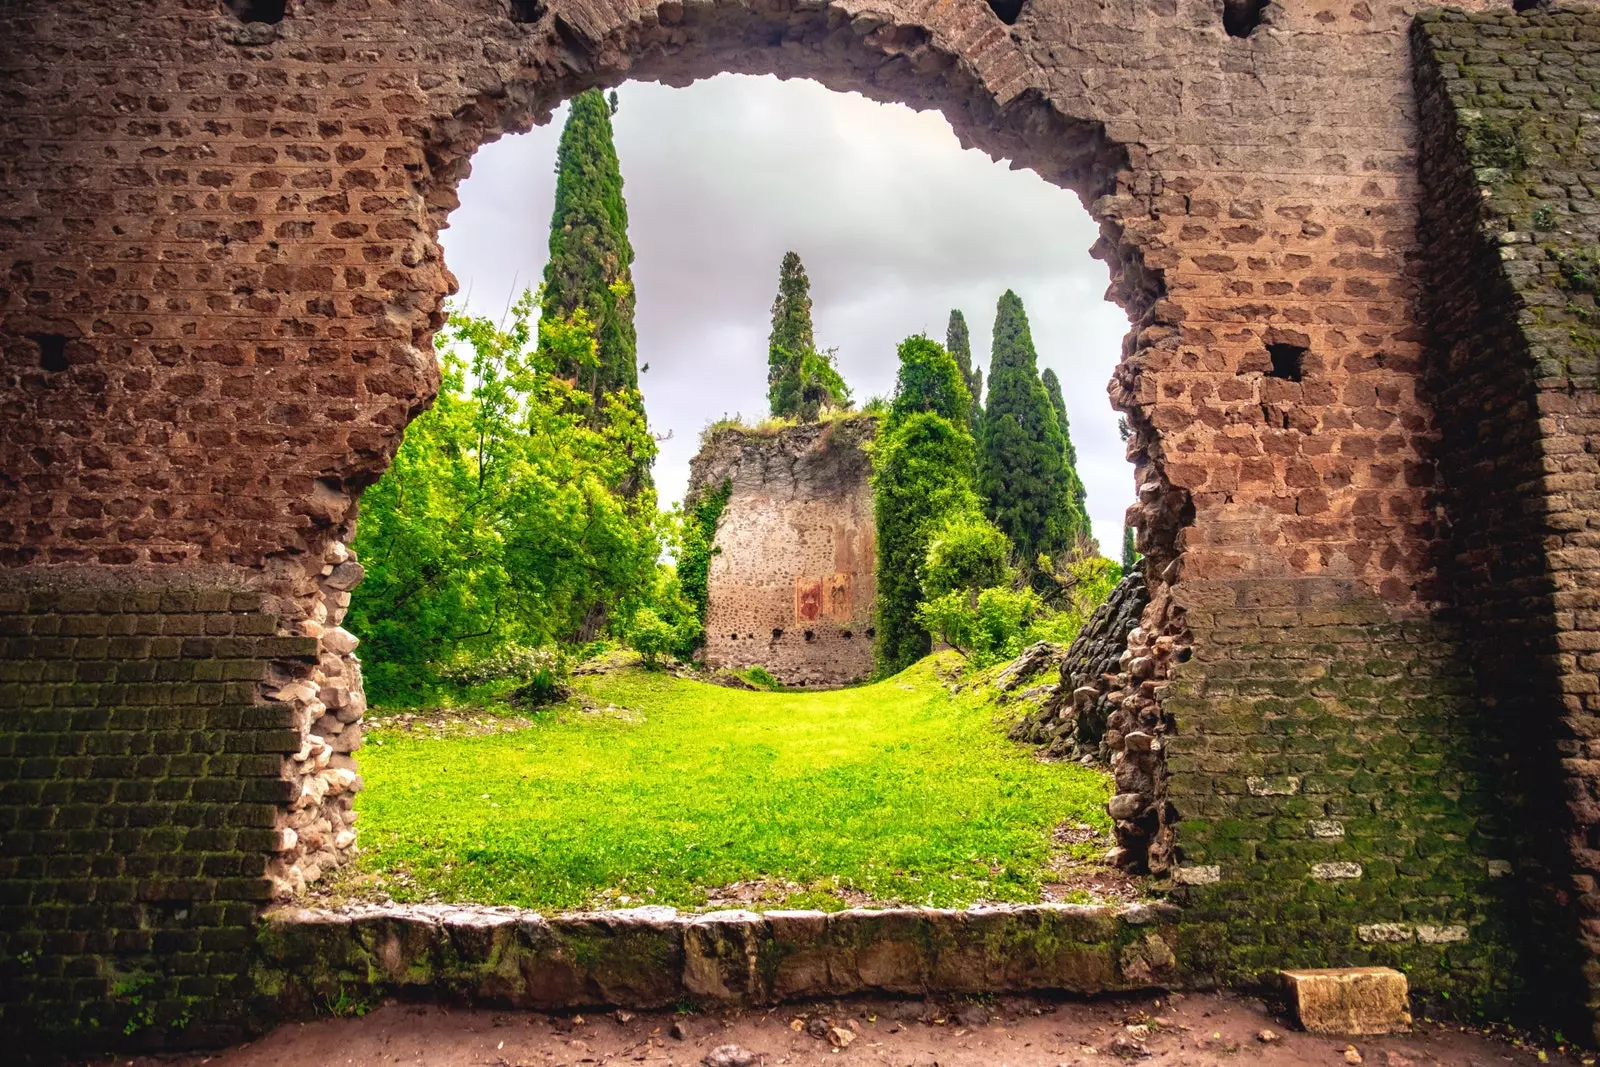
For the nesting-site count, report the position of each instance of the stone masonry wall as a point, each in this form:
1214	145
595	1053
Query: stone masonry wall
791	582
1511	169
220	276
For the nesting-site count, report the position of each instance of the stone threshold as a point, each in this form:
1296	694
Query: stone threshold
653	957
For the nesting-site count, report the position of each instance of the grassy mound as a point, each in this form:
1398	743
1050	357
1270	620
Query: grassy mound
655	789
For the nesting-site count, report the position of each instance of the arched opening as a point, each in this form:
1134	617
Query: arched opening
1085	383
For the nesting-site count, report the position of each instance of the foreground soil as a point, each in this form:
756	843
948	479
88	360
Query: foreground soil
1192	1031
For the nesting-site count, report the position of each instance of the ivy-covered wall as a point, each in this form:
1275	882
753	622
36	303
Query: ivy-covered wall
1509	125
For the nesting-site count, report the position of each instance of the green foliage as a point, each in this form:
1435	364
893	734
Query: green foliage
541	674
966	554
929	380
922	475
1069	453
650	635
899	790
987	628
791	339
1580	270
959	343
1022	469
696	546
510	515
1130	553
1074	590
821	386
1494	143
760	676
591	260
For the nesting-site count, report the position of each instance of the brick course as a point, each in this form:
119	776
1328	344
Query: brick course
140	786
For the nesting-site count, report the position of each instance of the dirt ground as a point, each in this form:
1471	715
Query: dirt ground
1165	1031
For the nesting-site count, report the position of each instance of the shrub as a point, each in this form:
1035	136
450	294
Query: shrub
541	672
967	553
988	628
650	635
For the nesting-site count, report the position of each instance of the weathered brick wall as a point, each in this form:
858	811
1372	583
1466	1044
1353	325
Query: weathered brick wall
792	583
140	794
219	276
1511	156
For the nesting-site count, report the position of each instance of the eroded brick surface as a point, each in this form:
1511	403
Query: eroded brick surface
219	276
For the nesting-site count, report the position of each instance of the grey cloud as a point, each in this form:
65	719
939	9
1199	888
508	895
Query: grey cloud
895	222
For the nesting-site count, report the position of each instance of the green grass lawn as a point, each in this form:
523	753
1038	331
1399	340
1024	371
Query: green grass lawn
894	792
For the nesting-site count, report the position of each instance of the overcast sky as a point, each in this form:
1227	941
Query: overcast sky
896	225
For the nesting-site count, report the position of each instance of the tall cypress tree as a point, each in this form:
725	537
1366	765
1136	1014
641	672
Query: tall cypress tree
591	260
791	339
1069	454
959	344
1130	553
1022	469
923	462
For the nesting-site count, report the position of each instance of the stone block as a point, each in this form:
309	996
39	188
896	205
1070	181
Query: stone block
1350	1000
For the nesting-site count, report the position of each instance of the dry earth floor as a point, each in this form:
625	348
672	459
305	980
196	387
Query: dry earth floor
1167	1031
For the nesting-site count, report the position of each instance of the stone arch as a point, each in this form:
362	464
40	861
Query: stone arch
227	233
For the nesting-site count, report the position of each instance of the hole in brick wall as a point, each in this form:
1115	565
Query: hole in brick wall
810	636
1006	10
52	351
733	637
872	631
1288	361
256	10
1526	5
527	10
1241	17
777	632
848	635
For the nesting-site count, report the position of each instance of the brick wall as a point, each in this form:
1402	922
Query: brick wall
219	277
140	789
1510	152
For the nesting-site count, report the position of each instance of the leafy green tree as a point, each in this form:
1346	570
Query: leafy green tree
924	460
1022	470
966	554
591	260
1130	551
959	343
801	381
503	519
929	380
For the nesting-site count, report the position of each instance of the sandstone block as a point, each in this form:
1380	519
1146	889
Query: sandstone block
1350	1000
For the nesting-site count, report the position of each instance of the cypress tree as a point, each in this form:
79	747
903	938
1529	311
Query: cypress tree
1130	554
791	339
959	344
924	462
591	260
1069	454
1022	471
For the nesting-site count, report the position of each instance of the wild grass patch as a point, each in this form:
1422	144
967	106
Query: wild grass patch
897	792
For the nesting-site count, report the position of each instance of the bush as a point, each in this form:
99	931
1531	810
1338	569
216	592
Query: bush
541	672
650	635
988	628
967	553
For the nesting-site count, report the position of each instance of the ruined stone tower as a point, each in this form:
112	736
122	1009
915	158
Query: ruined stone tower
791	581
